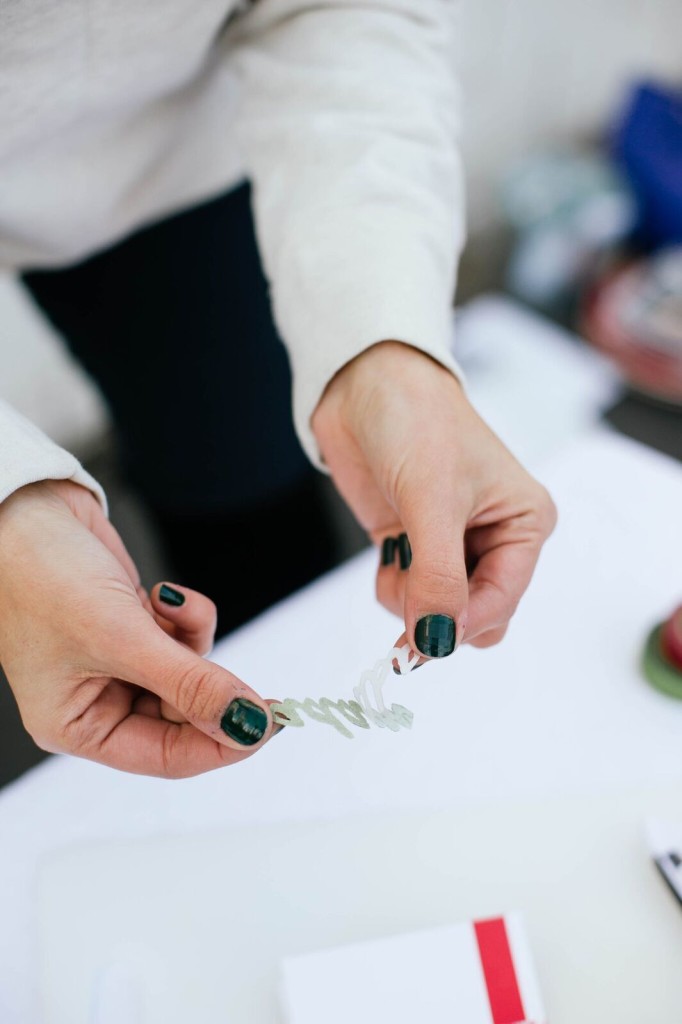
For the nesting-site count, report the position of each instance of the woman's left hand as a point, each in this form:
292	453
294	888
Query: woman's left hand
410	455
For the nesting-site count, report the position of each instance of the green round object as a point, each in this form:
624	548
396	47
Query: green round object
659	672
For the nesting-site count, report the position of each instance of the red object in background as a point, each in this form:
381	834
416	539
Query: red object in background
634	315
671	639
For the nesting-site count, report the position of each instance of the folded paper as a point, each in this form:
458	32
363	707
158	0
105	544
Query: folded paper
368	708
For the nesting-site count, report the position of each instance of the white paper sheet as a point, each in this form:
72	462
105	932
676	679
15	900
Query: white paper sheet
432	975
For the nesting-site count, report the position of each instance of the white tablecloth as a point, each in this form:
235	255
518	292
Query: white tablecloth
559	709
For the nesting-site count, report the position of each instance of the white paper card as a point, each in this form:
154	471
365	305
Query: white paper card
478	972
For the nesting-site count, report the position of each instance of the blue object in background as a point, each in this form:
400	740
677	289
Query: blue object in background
648	146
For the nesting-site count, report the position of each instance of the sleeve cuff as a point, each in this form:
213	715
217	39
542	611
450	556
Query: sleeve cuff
28	456
338	323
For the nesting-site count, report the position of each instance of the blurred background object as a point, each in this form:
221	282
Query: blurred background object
569	208
598	239
634	315
648	147
662	656
574	177
596	243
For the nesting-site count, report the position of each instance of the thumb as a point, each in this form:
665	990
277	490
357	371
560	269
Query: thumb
436	590
208	696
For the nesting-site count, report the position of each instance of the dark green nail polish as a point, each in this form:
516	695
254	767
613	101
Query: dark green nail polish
434	635
388	550
399	673
170	596
404	551
244	722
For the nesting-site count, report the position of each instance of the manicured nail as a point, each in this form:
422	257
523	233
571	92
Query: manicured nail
388	550
434	635
404	551
244	722
420	665
170	596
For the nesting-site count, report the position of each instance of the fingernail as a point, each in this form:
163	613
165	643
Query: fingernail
170	596
388	550
404	551
420	665
244	722
434	635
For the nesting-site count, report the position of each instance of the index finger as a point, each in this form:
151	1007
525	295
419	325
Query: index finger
152	746
211	698
498	583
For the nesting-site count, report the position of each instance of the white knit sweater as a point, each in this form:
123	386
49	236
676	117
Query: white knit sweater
343	114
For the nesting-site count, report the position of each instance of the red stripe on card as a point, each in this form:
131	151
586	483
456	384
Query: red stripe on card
506	1005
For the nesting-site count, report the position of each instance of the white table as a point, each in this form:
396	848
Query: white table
553	731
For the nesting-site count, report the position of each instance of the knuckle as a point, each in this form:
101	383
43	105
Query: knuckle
84	734
201	610
45	744
209	611
43	740
508	602
490	638
500	603
547	511
173	758
43	734
42	723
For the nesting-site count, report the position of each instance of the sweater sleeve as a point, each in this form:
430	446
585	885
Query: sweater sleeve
348	124
27	455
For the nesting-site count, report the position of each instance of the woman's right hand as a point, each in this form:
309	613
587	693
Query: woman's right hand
97	666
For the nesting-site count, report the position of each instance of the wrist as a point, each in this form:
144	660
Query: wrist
385	366
58	495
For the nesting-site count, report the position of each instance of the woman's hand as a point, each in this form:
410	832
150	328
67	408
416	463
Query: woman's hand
410	455
98	668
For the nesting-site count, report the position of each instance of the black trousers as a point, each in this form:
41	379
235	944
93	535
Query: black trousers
174	325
